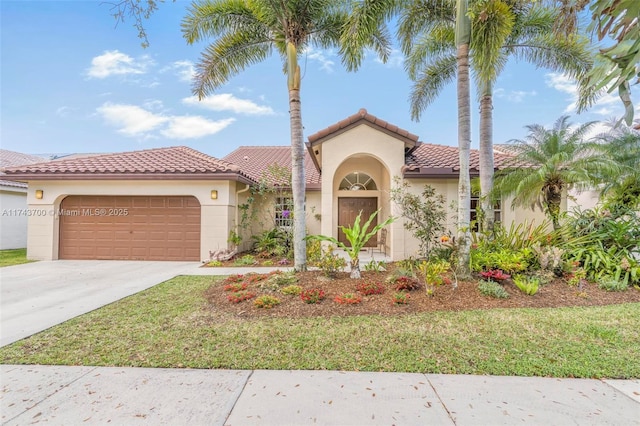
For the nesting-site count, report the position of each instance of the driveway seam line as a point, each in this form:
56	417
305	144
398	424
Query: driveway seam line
440	399
226	419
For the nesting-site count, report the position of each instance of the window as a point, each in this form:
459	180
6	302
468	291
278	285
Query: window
357	181
284	211
497	211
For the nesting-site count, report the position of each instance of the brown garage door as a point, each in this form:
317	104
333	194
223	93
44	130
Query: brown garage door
133	228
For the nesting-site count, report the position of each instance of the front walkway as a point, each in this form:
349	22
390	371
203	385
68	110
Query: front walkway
63	395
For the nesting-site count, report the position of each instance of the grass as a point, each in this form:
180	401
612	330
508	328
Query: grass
170	326
13	257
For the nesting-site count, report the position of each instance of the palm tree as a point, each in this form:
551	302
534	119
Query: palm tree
622	143
550	162
370	14
246	32
501	29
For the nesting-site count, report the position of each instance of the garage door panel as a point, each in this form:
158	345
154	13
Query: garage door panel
155	228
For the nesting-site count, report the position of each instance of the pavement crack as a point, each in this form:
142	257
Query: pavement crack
453	420
239	395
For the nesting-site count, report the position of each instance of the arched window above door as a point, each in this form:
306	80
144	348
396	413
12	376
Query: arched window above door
357	181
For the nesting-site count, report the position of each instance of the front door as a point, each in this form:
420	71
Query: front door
348	209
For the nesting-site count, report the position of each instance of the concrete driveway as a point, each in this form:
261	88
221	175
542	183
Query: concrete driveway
36	296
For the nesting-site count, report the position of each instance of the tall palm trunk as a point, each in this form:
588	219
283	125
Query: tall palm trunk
486	157
463	38
297	161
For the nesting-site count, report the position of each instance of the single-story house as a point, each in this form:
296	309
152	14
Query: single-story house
180	204
13	201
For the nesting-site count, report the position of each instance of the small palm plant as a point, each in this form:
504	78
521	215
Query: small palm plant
357	235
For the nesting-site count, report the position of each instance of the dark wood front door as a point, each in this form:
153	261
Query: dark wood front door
348	209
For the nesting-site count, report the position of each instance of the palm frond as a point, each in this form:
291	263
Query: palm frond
430	82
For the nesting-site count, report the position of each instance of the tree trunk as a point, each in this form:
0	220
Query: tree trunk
463	39
297	182
486	158
355	268
553	208
464	146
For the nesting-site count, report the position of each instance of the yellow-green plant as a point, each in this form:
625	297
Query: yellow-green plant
357	235
527	284
432	272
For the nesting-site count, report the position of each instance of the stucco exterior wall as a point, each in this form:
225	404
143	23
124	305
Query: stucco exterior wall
43	226
368	150
13	223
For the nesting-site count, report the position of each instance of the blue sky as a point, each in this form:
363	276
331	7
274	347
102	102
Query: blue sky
71	81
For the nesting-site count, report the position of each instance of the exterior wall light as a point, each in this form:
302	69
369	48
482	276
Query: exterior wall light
214	194
39	194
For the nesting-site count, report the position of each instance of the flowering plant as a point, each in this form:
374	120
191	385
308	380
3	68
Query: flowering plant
234	278
348	299
239	296
311	296
235	287
266	302
368	288
401	298
495	275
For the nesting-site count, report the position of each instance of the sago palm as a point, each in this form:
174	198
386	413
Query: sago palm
501	29
246	32
550	162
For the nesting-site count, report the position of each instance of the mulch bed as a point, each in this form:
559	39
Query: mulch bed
446	298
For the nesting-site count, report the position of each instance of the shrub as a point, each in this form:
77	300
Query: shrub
246	260
253	278
266	302
426	213
314	251
400	298
549	258
291	290
526	284
214	263
236	278
433	274
235	287
505	259
403	279
577	277
495	275
272	242
311	296
611	284
348	299
239	296
492	289
369	288
330	264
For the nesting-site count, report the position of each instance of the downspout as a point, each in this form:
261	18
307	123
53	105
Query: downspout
237	206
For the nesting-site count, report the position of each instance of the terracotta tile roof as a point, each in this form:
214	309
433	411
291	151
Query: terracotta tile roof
360	116
434	159
12	159
254	160
178	162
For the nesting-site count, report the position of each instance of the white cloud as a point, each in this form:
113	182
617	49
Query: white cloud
183	69
64	111
228	102
395	59
608	105
113	62
321	56
189	127
515	96
131	119
135	121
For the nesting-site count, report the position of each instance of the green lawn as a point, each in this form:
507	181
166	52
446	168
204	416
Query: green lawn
170	326
13	257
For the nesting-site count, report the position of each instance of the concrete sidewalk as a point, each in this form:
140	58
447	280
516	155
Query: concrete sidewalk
128	396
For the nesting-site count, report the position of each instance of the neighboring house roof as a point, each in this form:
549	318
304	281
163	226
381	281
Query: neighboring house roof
254	161
430	160
13	158
178	162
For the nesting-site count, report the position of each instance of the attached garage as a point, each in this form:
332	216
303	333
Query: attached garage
130	228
